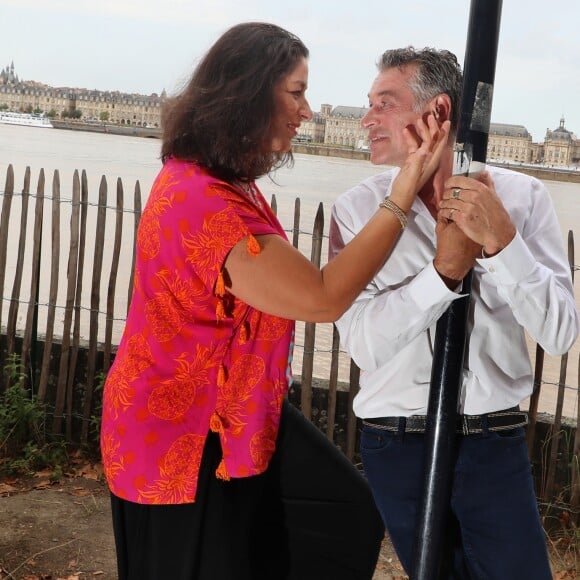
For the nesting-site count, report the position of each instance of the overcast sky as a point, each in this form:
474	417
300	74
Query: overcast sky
145	46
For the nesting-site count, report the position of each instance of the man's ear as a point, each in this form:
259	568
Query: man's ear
441	108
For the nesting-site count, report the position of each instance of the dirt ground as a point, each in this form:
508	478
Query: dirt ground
62	530
57	530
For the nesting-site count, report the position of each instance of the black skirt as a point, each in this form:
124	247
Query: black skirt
310	516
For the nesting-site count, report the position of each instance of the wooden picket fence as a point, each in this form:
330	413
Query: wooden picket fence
58	284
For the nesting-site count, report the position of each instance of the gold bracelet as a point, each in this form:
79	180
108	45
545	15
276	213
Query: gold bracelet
392	206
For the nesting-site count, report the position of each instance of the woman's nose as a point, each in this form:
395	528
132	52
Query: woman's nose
306	112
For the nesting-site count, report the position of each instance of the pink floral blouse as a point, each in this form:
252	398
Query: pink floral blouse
193	357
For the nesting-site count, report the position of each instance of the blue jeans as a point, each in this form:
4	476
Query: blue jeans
494	532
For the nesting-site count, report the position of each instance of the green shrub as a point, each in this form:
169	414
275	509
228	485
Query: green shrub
24	446
21	415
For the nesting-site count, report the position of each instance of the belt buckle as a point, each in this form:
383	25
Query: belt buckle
464	425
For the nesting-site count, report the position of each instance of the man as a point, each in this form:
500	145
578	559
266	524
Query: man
503	226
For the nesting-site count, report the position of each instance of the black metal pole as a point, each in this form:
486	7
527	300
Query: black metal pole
451	332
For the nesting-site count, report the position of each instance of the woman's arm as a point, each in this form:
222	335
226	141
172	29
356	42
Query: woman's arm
281	281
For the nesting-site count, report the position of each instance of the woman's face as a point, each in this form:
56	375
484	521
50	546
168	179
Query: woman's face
290	106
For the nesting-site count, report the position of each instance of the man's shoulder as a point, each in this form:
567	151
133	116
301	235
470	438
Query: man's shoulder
505	174
516	185
374	186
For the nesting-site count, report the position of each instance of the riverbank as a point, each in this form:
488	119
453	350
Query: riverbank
543	173
100	127
540	172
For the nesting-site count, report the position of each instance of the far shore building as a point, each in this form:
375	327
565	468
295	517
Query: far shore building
88	105
339	126
312	131
511	143
343	126
120	108
561	147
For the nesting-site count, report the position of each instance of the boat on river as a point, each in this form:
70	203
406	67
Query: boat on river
26	119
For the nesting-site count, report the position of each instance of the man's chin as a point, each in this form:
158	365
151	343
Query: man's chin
378	159
383	158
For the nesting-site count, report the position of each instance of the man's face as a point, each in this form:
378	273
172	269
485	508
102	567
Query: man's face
391	105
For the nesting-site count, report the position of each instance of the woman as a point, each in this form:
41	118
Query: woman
212	473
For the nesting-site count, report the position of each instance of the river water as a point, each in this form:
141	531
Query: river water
313	179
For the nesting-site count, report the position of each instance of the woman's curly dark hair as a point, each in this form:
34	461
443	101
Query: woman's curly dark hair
222	118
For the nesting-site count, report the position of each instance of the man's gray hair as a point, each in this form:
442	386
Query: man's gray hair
437	72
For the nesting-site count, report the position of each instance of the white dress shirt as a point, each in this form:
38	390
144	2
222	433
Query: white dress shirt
389	330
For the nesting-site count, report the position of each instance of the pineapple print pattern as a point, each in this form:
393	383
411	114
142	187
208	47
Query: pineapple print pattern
192	357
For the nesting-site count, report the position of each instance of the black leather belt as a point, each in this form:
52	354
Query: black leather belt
466	424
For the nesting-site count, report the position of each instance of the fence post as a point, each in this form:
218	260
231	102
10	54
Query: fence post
296	223
274	204
30	333
4	226
73	254
53	291
17	286
534	399
137	207
310	327
575	466
77	307
555	439
332	384
113	277
351	422
95	302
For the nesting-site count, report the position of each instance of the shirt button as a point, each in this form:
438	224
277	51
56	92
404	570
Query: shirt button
492	269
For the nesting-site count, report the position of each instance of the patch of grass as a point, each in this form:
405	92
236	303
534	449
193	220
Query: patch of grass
24	443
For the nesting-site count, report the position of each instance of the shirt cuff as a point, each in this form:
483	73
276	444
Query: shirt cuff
512	265
428	289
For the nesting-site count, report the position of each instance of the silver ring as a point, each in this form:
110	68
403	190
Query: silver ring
456	193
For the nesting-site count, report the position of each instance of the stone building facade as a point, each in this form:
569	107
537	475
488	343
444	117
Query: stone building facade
561	147
343	126
339	126
513	143
88	105
509	143
312	131
120	108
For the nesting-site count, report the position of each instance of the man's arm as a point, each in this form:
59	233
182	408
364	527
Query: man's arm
529	269
384	320
533	276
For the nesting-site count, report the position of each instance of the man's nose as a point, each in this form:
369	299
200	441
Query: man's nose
368	120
